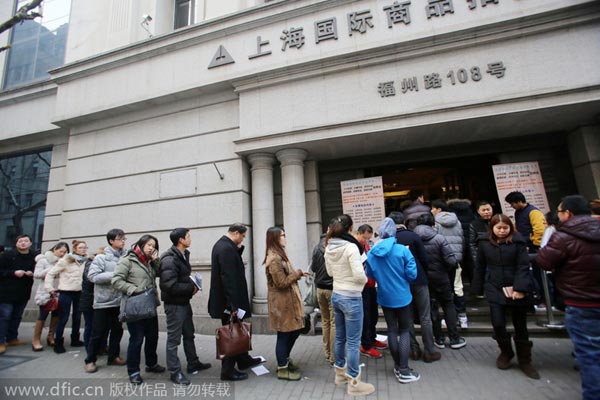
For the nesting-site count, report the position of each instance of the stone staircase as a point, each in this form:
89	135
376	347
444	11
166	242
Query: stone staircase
480	323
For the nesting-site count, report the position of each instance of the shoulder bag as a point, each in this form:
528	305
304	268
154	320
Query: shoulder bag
310	299
139	306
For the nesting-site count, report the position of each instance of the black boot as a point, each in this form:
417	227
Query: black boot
59	345
506	353
75	342
524	357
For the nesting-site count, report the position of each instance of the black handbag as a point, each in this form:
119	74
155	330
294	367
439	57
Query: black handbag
139	306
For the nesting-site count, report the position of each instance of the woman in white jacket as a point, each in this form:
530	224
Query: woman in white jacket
69	270
42	297
343	264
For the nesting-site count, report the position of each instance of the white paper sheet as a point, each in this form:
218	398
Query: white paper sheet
260	370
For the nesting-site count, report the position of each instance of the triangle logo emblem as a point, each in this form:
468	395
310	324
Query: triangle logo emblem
221	57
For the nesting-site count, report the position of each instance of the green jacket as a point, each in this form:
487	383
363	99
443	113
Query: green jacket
131	276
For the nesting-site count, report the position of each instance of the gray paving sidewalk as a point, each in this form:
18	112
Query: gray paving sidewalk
469	373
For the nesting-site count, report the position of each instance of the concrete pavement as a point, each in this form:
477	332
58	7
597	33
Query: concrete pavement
469	373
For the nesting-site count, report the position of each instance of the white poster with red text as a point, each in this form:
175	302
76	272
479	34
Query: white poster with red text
524	177
362	199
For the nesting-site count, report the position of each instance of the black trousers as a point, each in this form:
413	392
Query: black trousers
105	319
444	296
498	314
228	364
284	345
370	316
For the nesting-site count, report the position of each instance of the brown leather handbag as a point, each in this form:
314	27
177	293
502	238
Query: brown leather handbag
233	339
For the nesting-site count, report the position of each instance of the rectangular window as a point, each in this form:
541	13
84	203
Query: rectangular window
28	200
27	190
37	45
184	13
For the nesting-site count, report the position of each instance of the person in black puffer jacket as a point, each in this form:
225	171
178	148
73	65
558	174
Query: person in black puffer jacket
419	288
442	264
479	228
504	276
177	290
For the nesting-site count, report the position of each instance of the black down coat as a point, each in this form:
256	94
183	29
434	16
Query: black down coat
500	265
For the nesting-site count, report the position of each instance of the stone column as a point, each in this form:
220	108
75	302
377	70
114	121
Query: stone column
294	205
584	148
263	217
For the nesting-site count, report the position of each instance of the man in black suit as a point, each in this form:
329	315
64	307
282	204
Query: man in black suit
229	293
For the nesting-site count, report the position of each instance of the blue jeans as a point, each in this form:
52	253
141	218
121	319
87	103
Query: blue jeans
10	319
348	312
65	300
583	325
88	318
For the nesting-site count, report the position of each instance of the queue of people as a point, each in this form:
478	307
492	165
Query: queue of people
410	271
501	259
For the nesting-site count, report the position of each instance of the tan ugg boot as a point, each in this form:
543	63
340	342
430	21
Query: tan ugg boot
340	376
358	388
36	344
51	330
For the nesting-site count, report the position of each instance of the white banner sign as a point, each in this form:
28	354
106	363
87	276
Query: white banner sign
522	177
362	199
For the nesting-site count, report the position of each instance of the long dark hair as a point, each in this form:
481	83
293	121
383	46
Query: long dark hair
496	219
273	243
338	226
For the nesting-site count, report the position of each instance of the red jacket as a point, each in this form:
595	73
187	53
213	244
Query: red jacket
573	254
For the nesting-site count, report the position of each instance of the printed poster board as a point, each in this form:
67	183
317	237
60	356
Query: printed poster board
363	200
524	177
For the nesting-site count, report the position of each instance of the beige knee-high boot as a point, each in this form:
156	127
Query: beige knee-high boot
36	344
51	330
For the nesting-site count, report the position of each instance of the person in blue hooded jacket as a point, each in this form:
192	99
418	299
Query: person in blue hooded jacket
393	267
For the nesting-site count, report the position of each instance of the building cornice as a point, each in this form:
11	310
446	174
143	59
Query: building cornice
502	31
27	93
194	35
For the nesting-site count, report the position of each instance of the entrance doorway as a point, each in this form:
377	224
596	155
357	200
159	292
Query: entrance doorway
465	178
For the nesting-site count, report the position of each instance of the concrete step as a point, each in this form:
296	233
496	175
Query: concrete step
480	323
